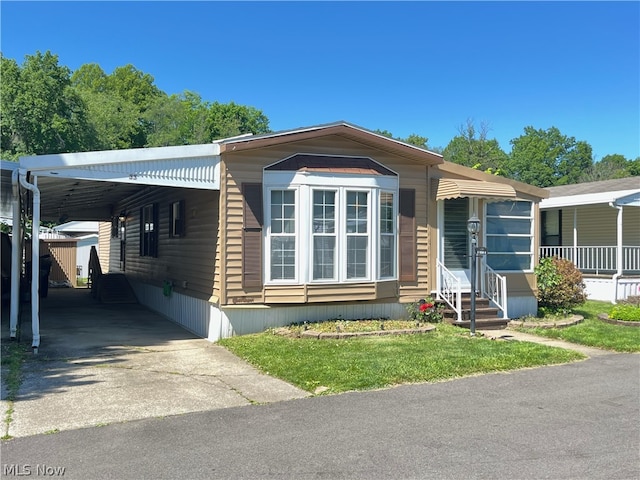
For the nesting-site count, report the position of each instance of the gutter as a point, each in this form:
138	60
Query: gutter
16	255
35	259
618	273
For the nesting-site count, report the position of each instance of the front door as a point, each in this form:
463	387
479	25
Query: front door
454	240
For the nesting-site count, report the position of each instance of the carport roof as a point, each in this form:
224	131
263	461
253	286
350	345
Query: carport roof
87	185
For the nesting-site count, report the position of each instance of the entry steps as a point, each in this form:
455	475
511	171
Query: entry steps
115	288
486	316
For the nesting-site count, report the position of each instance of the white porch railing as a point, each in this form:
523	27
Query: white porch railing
450	289
494	287
597	259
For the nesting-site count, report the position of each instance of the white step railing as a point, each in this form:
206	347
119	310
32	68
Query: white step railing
494	287
597	259
450	289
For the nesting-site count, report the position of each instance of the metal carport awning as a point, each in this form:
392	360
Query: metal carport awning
85	185
448	188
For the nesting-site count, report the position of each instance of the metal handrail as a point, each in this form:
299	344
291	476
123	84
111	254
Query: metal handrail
494	287
450	289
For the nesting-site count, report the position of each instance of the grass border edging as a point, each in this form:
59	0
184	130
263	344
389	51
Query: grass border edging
605	318
573	320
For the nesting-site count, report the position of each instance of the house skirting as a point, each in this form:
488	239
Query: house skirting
213	323
604	289
523	306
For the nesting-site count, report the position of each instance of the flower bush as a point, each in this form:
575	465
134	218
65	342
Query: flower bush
425	310
560	286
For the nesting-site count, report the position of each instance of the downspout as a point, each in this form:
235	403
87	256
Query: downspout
619	265
35	259
16	256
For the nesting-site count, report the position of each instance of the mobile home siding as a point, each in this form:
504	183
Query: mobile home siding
187	262
246	167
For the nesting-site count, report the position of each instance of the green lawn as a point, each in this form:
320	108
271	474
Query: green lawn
595	333
375	362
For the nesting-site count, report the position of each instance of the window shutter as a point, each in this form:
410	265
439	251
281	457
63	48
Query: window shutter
155	236
407	235
252	235
142	238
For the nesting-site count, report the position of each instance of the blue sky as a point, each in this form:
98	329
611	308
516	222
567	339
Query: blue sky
405	67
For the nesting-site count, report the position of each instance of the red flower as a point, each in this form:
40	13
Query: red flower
424	307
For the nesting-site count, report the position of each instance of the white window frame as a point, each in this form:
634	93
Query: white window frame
304	184
529	235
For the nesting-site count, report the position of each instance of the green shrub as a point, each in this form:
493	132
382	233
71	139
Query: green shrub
560	286
625	311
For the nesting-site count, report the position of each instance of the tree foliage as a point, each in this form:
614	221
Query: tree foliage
45	108
611	167
41	112
547	157
473	149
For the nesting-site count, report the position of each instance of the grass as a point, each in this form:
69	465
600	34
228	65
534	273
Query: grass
595	333
13	355
370	363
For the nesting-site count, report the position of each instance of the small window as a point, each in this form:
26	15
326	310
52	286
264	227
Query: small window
176	219
509	235
149	230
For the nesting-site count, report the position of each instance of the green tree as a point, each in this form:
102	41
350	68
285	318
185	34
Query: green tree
610	167
547	158
178	120
229	119
41	112
114	118
118	103
473	149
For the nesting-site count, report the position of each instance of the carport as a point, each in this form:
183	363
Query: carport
88	186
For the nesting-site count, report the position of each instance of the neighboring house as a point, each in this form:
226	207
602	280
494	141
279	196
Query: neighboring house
86	235
596	225
331	221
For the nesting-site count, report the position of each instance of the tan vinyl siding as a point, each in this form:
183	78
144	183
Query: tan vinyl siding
246	167
63	260
596	225
104	245
187	261
631	226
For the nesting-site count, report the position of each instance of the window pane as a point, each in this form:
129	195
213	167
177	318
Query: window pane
323	257
357	208
386	213
509	225
387	255
509	244
509	209
509	261
283	258
324	211
357	257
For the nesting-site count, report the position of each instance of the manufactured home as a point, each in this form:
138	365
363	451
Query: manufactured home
330	221
596	225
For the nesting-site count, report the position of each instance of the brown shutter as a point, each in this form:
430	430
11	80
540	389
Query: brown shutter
252	235
407	235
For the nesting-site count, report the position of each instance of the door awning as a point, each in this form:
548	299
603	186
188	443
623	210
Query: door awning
457	188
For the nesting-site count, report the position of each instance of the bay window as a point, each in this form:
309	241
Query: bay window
330	228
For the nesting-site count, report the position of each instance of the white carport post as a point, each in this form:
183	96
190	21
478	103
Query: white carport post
35	258
16	256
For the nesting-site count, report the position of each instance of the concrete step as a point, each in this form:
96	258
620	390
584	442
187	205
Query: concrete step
115	288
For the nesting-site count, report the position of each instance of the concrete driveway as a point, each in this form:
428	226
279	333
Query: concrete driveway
101	364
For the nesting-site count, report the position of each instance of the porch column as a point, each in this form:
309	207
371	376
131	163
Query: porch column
35	259
619	257
575	237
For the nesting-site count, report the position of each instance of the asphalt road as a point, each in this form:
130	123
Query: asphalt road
575	421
